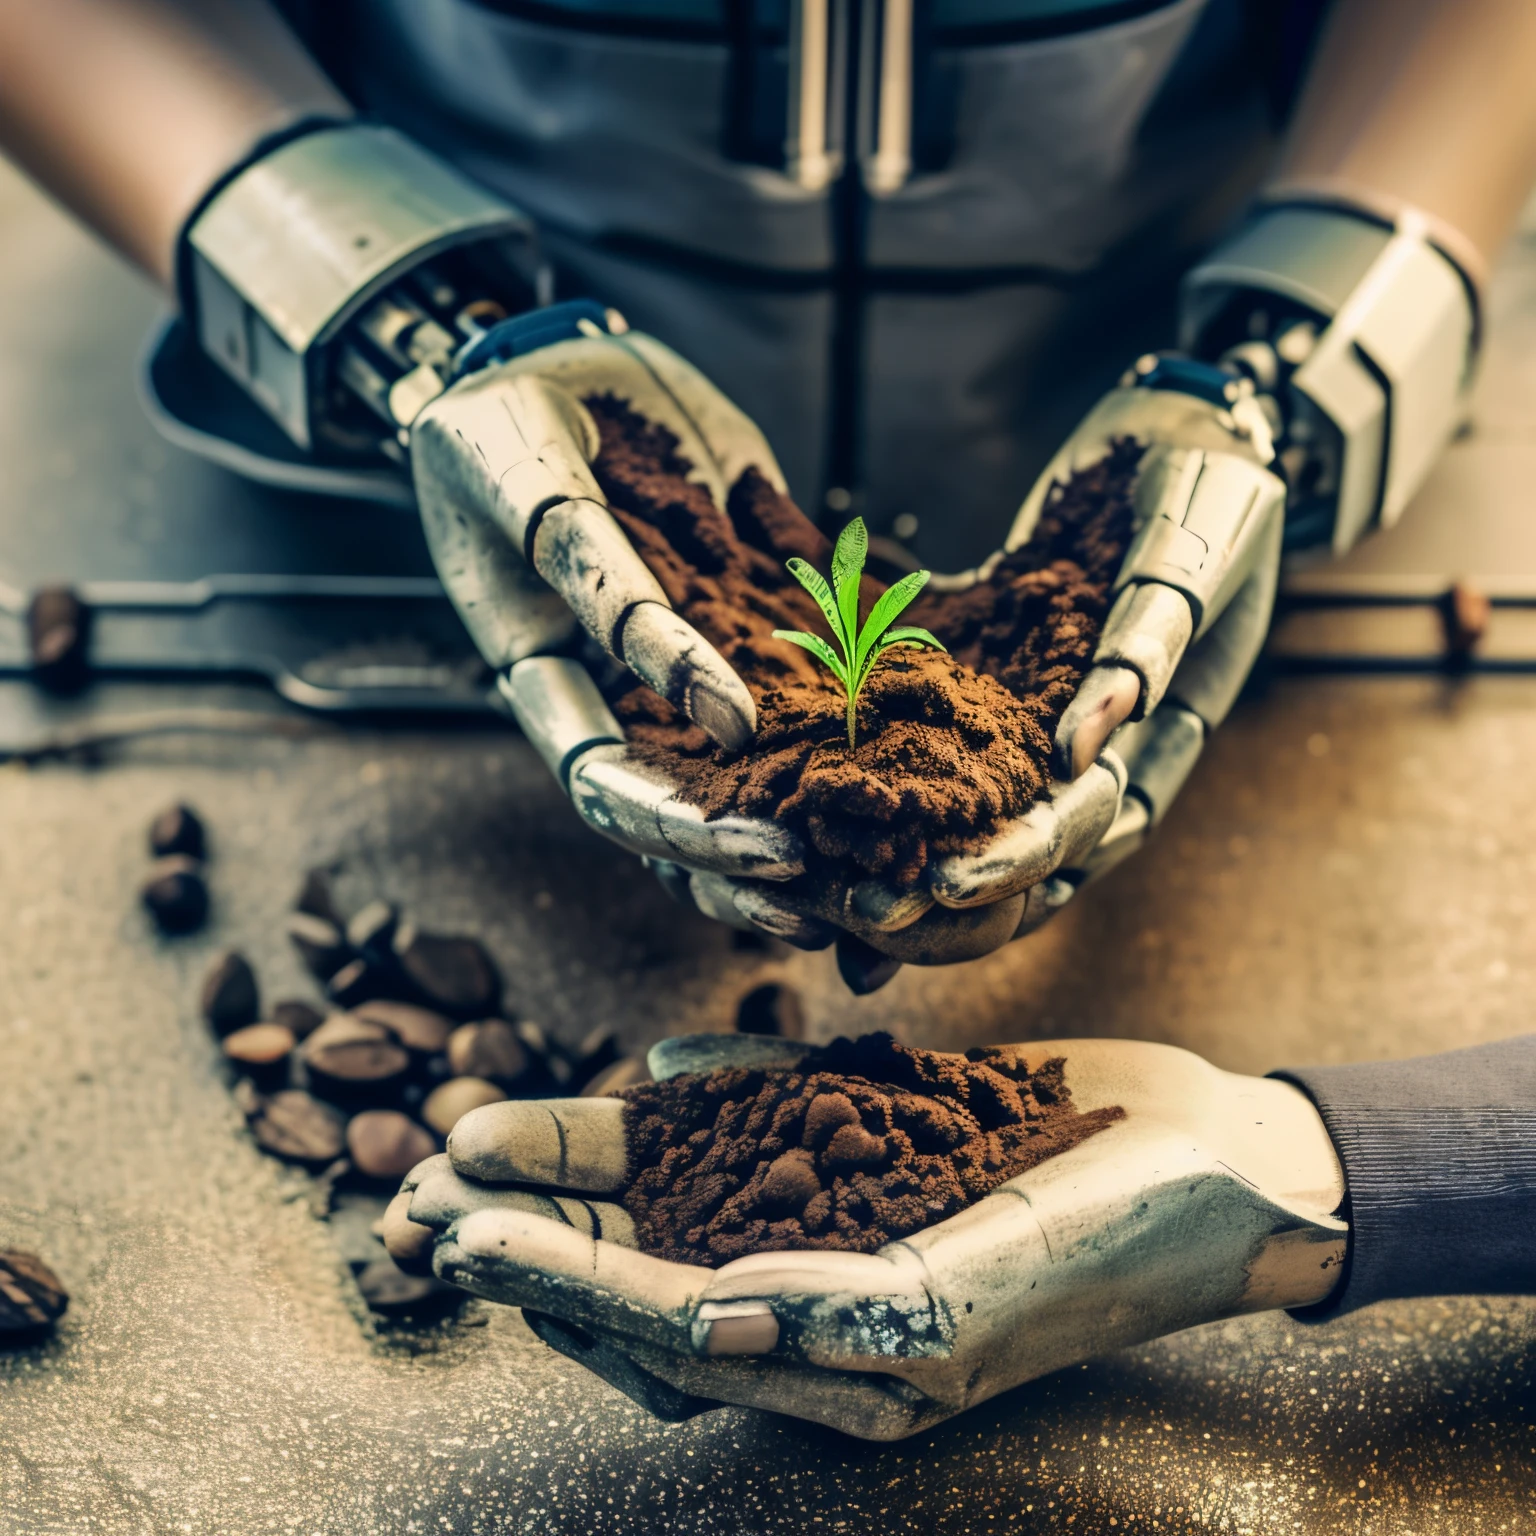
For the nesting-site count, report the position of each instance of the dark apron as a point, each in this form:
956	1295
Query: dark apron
915	353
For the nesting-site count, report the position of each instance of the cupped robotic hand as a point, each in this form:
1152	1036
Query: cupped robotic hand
1213	1195
1193	602
528	550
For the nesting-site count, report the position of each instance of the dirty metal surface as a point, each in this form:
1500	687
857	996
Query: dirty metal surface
1349	875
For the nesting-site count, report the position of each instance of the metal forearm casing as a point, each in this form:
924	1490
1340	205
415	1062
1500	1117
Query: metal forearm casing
294	246
1389	374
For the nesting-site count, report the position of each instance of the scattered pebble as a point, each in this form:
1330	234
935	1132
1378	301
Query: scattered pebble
358	981
1465	614
58	636
373	928
489	1049
320	943
454	974
624	1073
417	1029
295	1014
315	899
230	999
448	1103
599	1048
175	895
31	1295
347	1050
384	1144
177	829
300	1127
387	1288
259	1045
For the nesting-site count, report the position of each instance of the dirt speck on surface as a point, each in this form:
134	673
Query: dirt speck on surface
865	1141
949	746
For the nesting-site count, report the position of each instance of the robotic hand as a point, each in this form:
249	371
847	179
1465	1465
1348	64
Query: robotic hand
1213	1196
365	294
1328	353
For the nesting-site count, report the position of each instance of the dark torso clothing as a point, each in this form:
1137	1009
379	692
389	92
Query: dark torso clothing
917	350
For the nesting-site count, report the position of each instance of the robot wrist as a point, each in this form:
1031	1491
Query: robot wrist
1364	327
340	275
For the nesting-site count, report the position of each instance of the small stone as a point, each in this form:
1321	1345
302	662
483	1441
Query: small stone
359	981
177	829
417	1029
488	1049
349	1050
384	1144
175	895
387	1288
58	635
1465	613
599	1048
315	898
259	1045
31	1295
448	1103
230	999
320	944
299	1127
372	929
533	1037
450	973
301	1017
771	1009
626	1072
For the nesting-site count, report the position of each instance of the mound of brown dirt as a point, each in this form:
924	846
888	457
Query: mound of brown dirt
864	1142
949	746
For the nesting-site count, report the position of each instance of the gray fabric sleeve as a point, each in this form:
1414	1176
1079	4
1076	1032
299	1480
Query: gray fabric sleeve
1439	1157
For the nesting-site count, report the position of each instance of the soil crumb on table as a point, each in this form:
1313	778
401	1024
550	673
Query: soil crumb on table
865	1141
949	746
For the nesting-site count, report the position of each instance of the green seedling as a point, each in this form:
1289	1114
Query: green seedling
861	648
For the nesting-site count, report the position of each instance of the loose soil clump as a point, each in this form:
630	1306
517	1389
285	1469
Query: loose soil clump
949	746
864	1142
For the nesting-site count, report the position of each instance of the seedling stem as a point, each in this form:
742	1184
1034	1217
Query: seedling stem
861	649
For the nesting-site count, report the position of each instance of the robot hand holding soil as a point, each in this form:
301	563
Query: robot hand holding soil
364	293
1210	1195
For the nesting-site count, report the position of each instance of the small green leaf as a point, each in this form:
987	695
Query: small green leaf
816	584
910	634
885	611
847	567
818	648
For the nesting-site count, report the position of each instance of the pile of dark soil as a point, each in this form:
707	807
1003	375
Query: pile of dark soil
949	746
864	1142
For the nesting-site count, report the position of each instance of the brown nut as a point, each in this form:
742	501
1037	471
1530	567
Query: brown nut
417	1029
449	1102
384	1144
488	1049
177	829
31	1295
230	998
259	1045
175	895
296	1126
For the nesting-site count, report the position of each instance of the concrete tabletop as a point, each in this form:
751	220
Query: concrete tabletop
1348	876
